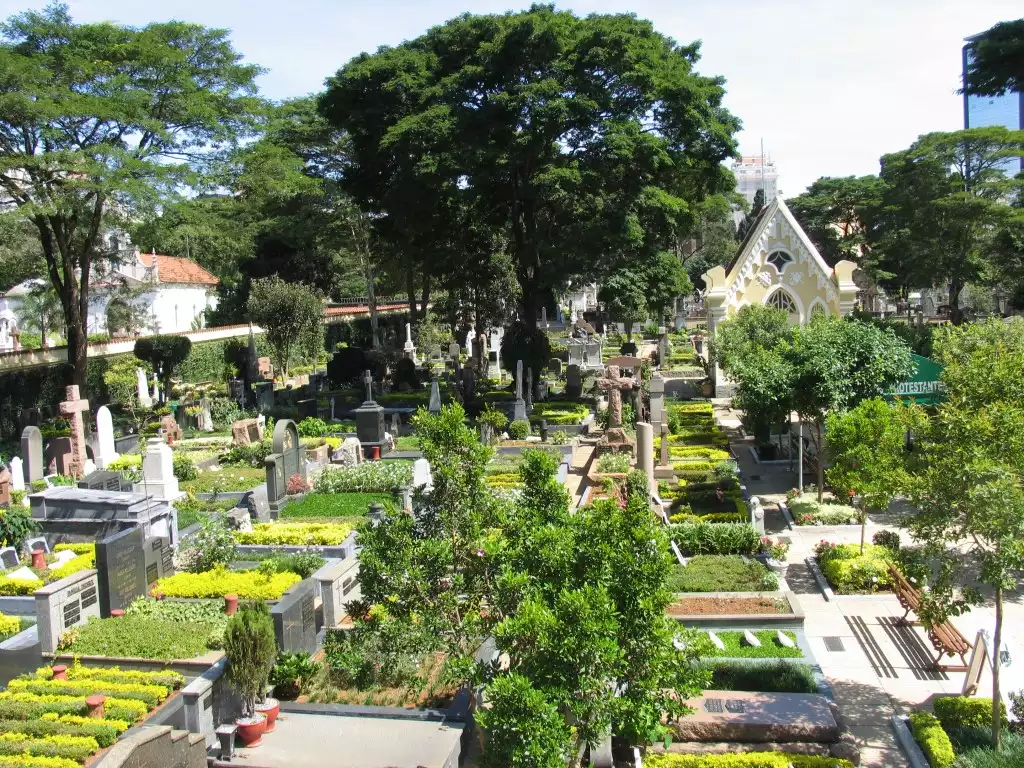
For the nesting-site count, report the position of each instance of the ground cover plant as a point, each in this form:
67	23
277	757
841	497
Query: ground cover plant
559	412
807	510
295	534
706	538
349	506
248	585
138	637
226	479
210	612
368	477
722	573
192	510
85	557
769	677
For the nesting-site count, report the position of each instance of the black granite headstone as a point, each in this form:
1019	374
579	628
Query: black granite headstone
294	618
9	557
120	570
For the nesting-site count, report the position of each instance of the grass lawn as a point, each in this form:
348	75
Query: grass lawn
770	647
231	477
192	510
767	677
409	443
722	573
334	505
426	690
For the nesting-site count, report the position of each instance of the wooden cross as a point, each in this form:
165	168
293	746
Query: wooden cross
614	386
73	407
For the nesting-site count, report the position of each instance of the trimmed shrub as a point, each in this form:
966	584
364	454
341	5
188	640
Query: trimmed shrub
368	477
932	739
519	430
248	585
888	539
704	538
744	760
848	571
184	468
768	677
955	712
295	534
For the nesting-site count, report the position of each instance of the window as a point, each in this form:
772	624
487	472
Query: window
782	300
779	260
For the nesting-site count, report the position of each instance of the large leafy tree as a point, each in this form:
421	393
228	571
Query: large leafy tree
583	141
97	120
291	314
942	202
969	483
838	363
831	211
20	255
995	63
624	297
715	236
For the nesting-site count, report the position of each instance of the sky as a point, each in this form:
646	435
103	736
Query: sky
828	85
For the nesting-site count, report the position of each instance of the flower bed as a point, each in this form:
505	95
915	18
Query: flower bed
724	606
43	721
707	538
806	510
745	760
295	534
85	557
335	505
722	573
368	477
850	572
248	585
766	677
192	510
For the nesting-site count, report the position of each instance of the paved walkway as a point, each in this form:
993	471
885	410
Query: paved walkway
875	666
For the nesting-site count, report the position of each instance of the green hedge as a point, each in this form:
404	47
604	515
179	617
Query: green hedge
961	712
932	739
745	760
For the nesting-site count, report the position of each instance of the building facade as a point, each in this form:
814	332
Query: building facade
754	172
984	111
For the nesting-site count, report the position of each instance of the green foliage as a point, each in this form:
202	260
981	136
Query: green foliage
777	677
745	760
164	353
493	418
523	727
700	538
624	297
955	712
139	637
312	427
850	572
319	505
806	510
1011	755
831	213
291	672
210	546
368	477
530	345
770	648
613	462
519	430
722	573
289	313
934	742
303	563
208	612
994	60
888	539
253	455
250	648
16	525
184	467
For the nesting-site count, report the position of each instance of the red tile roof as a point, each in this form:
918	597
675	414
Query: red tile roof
175	269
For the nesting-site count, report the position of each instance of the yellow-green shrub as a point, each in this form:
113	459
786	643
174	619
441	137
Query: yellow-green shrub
295	534
934	742
9	625
36	761
151	694
745	760
9	586
119	709
963	712
78	549
698	452
248	585
76	564
849	571
77	671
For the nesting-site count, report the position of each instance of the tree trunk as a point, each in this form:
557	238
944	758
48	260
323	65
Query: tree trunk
997	700
863	525
956	315
410	289
820	461
425	299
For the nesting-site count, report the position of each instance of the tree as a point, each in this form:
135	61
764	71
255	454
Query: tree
942	201
524	729
569	136
968	486
838	363
41	312
20	255
666	281
995	60
97	121
751	216
715	232
164	353
251	649
625	299
867	446
287	312
830	212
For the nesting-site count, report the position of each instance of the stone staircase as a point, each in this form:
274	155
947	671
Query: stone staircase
156	745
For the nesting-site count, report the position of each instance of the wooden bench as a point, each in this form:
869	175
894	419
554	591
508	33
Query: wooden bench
944	637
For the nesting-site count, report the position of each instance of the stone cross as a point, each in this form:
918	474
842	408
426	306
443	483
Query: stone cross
74	407
369	381
614	386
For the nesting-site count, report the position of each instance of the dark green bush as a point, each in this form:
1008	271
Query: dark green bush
768	677
518	430
184	468
963	712
531	346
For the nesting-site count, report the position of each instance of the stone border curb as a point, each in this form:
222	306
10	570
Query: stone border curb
795	617
907	742
826	590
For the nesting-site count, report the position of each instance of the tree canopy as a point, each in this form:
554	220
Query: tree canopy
291	315
831	213
995	60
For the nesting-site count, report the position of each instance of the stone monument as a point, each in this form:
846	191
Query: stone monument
145	400
32	452
409	350
284	463
158	478
370	423
17	474
105	451
435	397
645	453
519	409
614	438
73	407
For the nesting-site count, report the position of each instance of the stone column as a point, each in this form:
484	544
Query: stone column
645	451
657	391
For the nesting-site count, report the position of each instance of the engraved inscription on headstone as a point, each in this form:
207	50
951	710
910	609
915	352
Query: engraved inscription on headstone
735	706
294	618
9	557
89	596
713	705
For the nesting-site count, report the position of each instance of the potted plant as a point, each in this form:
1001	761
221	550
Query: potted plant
250	648
775	550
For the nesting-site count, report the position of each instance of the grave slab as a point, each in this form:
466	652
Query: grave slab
758	717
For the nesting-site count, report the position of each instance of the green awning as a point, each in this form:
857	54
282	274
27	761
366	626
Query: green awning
924	384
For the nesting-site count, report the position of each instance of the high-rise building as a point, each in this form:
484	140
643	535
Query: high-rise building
1006	110
754	172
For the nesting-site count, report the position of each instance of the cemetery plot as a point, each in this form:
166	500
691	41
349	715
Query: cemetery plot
765	676
21	577
389	477
560	412
732	605
340	507
805	509
217	582
47	713
736	645
722	573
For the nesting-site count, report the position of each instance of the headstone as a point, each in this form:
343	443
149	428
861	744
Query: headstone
664	445
65	603
38	542
294	617
469	344
349	453
592	354
370	421
236	391
244	432
206	418
261	425
9	558
577	353
663	345
62	558
716	641
265	395
615	436
396	423
22	574
158	478
529	390
679	555
573	381
105	451
645	453
121	570
749	638
73	407
32	452
657	393
519	409
784	639
544	316
435	397
17	474
332	407
339	585
409	350
421	477
264	369
57	456
454	350
555	366
284	463
143	389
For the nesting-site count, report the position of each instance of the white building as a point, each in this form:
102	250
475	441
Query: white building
754	172
170	293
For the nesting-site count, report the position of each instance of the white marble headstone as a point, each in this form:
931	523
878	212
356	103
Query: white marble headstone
421	477
17	474
105	450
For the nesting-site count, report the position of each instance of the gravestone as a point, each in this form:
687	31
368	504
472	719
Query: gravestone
576	353
236	391
142	387
9	558
421	477
663	345
264	368
339	584
74	407
17	474
265	395
244	432
469	344
370	421
83	515
645	453
39	542
519	409
409	350
528	390
555	366
158	478
592	351
454	350
32	453
294	617
120	570
349	453
657	392
171	430
573	381
105	450
664	445
435	397
57	457
281	465
65	603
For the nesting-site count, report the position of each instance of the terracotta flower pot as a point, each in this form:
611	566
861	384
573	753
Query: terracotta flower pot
269	707
251	729
38	559
230	604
